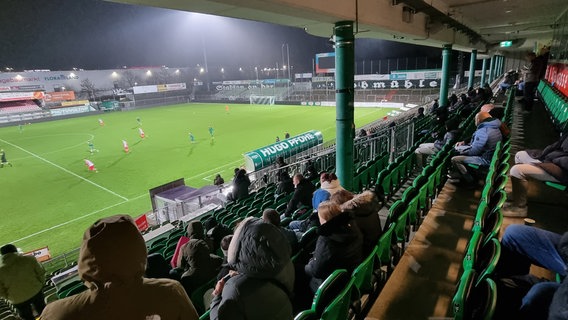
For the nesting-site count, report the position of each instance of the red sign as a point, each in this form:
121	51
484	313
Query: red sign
557	75
142	223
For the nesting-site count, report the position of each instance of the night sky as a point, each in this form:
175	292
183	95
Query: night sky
90	34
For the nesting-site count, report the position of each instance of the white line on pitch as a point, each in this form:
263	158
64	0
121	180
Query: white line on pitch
69	172
68	222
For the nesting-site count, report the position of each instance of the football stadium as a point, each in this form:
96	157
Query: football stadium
425	188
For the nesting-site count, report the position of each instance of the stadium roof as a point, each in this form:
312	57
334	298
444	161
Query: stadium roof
467	24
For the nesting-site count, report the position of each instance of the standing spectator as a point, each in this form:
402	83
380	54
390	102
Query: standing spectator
262	276
479	151
522	295
531	74
241	183
21	281
550	164
280	165
302	194
112	261
286	135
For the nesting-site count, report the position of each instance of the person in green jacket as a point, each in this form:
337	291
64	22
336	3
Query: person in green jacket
21	281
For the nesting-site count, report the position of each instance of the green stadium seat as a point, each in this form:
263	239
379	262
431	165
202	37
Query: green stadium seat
386	254
205	316
364	281
197	296
306	315
330	290
473	301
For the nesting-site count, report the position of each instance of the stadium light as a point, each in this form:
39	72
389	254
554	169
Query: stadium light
222	70
114	74
177	71
72	75
19	77
148	73
201	70
241	69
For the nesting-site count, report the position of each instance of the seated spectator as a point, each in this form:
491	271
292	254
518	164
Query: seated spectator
194	230
215	233
285	184
225	268
479	151
262	276
508	81
21	281
497	113
271	216
311	173
218	181
157	266
329	184
302	194
451	132
339	245
420	113
365	207
198	265
112	261
523	295
241	184
550	164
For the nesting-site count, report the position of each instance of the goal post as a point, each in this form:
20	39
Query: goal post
267	100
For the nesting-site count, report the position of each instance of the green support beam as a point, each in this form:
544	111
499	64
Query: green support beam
446	57
344	101
472	59
483	72
491	69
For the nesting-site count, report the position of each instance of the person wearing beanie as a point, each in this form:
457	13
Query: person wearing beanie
112	261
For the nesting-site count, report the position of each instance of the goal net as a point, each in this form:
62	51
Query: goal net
268	100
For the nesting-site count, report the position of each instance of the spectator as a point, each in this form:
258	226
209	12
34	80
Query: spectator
280	165
522	295
329	185
451	133
497	113
194	230
225	242
311	172
302	194
270	215
550	164
286	135
285	184
157	266
241	183
112	261
531	78
262	275
420	113
339	245
479	151
365	209
218	180
21	281
198	265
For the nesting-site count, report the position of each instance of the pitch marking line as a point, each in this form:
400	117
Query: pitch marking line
63	169
68	222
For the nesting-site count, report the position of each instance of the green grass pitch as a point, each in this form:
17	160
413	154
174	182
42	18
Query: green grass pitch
48	197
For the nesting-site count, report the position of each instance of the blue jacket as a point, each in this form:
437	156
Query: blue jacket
484	139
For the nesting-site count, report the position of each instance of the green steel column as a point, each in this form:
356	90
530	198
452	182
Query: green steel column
483	72
344	97
472	59
498	68
491	69
503	68
446	57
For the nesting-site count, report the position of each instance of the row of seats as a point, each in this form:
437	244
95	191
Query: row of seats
476	291
556	103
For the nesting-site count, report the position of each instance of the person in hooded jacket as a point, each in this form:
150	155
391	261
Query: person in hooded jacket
285	184
21	281
430	148
112	261
479	151
194	230
198	264
339	244
262	275
365	209
241	184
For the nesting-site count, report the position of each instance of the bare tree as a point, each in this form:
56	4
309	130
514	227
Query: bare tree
129	79
88	87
